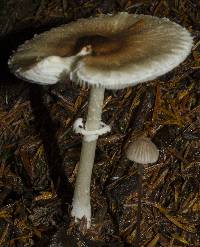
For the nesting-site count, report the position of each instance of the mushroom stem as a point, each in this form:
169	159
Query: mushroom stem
139	209
81	200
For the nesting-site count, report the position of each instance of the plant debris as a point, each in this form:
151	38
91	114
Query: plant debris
39	152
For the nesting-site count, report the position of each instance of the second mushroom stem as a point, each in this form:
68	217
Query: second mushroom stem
139	209
81	200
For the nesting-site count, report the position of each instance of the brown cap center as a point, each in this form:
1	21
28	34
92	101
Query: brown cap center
100	44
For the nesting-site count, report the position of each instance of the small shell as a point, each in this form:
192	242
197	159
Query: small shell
142	151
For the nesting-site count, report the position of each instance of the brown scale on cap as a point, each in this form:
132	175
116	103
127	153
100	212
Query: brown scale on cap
107	50
102	45
122	48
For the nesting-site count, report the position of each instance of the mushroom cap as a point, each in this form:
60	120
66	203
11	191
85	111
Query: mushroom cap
126	49
142	151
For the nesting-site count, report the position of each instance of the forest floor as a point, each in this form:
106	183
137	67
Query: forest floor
39	151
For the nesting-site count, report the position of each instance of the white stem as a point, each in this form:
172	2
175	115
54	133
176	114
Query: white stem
81	200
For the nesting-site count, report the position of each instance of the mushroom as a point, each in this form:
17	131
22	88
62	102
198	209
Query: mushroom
105	52
142	151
